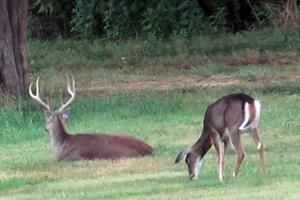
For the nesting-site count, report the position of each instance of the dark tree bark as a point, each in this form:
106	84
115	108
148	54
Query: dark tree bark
13	53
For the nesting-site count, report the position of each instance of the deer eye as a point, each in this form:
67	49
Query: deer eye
49	119
65	116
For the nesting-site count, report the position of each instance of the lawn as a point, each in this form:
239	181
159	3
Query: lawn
157	90
169	120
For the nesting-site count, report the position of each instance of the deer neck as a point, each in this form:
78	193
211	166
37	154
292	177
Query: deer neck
203	144
58	131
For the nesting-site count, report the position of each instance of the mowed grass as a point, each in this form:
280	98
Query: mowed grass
169	121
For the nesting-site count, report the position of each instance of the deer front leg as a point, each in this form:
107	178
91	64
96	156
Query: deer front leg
216	142
260	147
221	150
240	154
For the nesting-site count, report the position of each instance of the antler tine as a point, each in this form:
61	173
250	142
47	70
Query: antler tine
71	91
37	95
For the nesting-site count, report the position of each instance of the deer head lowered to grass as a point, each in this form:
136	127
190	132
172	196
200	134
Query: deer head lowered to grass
85	146
224	121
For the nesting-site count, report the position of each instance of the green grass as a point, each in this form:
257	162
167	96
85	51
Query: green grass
170	121
178	52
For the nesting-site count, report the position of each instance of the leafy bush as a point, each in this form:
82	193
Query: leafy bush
113	18
117	19
50	18
84	17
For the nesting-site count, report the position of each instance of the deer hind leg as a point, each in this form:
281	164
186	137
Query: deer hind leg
240	154
260	147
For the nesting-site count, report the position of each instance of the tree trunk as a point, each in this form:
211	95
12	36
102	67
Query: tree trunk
13	54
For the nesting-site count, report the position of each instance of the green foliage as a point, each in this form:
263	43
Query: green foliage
50	18
160	19
267	13
218	20
84	17
114	19
117	19
190	19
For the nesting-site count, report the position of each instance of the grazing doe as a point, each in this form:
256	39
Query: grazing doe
86	146
224	121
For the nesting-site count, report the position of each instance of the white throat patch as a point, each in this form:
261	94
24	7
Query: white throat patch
197	167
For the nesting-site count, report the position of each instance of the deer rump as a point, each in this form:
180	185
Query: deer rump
102	146
232	111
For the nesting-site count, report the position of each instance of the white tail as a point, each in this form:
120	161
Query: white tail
251	122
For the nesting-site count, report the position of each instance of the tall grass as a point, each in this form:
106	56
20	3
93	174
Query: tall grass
133	53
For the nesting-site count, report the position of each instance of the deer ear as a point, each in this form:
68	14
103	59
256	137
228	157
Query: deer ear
47	113
66	113
181	155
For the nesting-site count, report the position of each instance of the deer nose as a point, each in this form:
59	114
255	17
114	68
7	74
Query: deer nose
193	177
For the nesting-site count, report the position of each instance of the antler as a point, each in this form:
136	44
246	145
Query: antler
71	91
37	95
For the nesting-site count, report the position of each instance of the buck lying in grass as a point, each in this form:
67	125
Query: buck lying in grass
86	146
224	121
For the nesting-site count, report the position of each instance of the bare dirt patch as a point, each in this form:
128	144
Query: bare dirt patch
103	86
100	82
258	58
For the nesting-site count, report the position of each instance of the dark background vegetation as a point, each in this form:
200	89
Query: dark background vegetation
117	19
